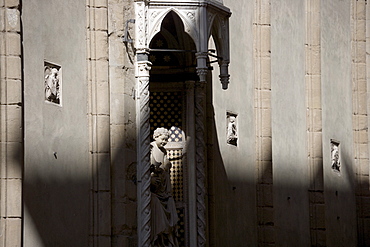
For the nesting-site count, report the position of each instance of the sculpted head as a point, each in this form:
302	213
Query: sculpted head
160	136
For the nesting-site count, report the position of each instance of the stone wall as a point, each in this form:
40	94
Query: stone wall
337	112
11	124
56	138
232	173
299	81
289	135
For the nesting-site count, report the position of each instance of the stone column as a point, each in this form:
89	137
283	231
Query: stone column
202	69
142	124
143	152
200	159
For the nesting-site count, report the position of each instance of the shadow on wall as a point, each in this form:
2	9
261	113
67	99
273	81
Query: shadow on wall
231	200
58	205
58	211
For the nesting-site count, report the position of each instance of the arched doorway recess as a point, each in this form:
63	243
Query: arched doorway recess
171	39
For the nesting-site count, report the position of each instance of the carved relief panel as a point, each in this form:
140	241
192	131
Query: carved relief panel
334	155
232	129
52	83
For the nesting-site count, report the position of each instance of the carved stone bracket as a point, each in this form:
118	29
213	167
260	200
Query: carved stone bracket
224	74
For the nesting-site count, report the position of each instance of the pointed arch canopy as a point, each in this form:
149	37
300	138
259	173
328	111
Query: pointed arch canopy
201	19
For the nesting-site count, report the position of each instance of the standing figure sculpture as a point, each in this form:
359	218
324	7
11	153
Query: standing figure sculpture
232	135
52	84
335	163
164	217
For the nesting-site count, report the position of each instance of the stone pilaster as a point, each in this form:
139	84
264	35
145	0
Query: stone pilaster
11	129
122	123
360	87
99	122
262	109
314	122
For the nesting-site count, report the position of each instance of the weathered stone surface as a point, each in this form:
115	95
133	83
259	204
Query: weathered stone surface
11	157
12	228
100	19
12	93
13	197
13	67
104	171
13	23
11	3
12	117
266	122
103	133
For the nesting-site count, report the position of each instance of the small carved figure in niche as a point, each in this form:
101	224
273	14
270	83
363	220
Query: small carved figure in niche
335	163
232	134
52	84
164	216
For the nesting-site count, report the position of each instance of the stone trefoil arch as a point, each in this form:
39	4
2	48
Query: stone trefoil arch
202	19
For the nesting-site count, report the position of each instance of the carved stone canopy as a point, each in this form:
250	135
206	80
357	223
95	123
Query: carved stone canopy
201	19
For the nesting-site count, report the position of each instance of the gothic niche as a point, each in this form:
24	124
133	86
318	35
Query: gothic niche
52	80
334	154
232	131
172	52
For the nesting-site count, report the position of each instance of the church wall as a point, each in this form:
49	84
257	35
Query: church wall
337	123
298	80
232	178
56	174
289	145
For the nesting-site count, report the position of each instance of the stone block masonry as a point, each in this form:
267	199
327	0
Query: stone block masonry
99	122
11	131
262	109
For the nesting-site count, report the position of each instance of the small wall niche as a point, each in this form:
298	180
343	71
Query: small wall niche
53	83
335	155
232	128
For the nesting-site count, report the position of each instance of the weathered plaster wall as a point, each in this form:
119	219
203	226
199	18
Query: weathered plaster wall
56	184
337	122
233	201
290	173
